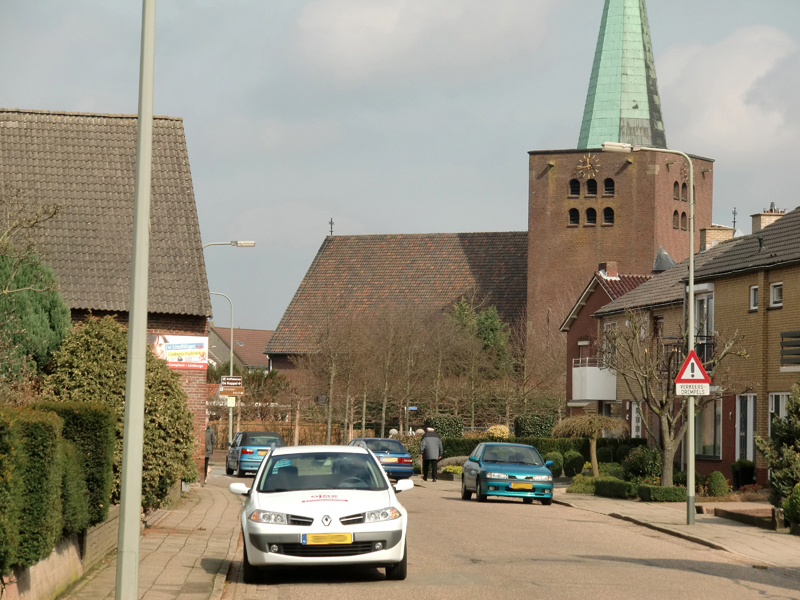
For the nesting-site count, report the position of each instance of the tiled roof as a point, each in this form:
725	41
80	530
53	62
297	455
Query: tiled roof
248	344
665	288
615	287
85	164
779	243
370	272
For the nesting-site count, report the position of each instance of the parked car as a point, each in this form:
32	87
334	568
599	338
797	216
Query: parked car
322	505
393	456
248	450
512	470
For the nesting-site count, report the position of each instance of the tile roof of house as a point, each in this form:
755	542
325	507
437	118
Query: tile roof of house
248	344
615	287
370	272
85	164
665	288
776	244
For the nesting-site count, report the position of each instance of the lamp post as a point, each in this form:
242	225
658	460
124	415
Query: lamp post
230	408
236	243
625	149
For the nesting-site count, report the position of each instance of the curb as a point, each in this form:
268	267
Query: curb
224	568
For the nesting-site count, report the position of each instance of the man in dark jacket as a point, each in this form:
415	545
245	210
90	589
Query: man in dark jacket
430	451
211	440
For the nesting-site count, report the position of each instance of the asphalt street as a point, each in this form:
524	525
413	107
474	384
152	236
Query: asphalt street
506	549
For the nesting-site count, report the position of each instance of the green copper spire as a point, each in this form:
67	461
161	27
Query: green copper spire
623	104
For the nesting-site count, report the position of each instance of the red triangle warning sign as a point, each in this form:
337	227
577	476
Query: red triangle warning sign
692	371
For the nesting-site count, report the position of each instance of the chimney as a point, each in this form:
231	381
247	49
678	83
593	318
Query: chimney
768	217
711	236
610	268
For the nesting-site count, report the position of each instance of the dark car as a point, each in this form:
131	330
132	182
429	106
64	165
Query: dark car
393	456
248	450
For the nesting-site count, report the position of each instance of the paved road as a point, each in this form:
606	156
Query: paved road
502	549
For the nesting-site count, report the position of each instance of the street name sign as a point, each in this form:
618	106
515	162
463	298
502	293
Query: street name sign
692	379
231	385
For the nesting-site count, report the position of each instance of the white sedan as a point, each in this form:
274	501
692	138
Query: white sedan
322	505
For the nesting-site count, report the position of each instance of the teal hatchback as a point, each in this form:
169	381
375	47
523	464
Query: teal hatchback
510	470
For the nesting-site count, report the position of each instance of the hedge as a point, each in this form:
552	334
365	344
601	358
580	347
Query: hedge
611	487
74	493
465	446
558	463
91	427
605	455
9	517
654	493
535	425
447	426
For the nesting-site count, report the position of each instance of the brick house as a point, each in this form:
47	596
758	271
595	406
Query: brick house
248	347
85	163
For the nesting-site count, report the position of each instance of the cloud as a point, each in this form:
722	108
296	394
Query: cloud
356	40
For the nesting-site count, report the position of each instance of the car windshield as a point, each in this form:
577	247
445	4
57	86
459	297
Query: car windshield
520	455
262	440
392	446
321	471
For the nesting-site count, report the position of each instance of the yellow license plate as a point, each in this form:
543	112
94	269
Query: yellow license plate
262	452
388	460
521	486
324	539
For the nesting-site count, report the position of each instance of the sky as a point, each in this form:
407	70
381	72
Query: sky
400	116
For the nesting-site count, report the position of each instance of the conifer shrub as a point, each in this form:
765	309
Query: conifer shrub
791	506
497	433
782	451
621	453
9	516
573	463
605	455
74	493
717	485
558	463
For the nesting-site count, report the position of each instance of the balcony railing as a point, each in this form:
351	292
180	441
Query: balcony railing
593	380
703	346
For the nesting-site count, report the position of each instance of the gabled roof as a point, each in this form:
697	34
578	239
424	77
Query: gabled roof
85	164
248	344
776	244
665	288
367	273
614	287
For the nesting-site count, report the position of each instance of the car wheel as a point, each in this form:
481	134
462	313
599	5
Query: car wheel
398	571
250	574
479	495
527	500
547	501
465	493
228	470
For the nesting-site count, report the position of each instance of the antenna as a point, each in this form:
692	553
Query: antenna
331	224
734	218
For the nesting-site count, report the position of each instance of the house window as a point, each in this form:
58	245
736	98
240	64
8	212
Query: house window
777	408
608	187
675	220
776	294
591	216
753	297
608	216
683	221
591	187
636	420
574	216
685	193
676	192
574	187
708	430
790	351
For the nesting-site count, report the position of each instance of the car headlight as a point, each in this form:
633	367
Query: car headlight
384	514
496	476
263	516
543	478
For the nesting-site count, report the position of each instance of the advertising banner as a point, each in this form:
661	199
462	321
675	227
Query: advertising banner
182	352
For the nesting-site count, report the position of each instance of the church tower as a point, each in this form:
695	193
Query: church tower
586	207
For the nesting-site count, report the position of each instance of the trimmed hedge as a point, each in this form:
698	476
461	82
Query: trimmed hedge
611	487
447	426
573	463
581	484
654	493
605	455
535	425
465	446
74	493
91	427
558	463
9	517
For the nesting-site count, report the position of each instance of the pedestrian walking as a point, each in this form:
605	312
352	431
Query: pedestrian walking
211	441
430	452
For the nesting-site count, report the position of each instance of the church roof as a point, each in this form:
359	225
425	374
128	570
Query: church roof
622	104
362	274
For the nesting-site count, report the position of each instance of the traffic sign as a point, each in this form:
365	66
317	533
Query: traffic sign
692	379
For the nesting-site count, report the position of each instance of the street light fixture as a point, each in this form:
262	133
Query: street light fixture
690	462
236	243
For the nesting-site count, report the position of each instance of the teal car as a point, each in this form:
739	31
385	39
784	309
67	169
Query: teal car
510	470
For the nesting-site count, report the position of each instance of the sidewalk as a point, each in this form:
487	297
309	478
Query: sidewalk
760	547
186	555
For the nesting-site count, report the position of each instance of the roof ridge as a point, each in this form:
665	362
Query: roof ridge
380	235
66	113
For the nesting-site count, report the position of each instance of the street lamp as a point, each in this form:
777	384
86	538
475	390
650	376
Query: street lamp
236	243
625	149
230	408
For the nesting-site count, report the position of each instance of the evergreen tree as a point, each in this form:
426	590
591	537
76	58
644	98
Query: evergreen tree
782	451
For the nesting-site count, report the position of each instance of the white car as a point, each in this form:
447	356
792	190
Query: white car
322	505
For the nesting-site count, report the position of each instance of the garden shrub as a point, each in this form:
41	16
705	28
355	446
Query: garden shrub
605	455
9	516
91	428
497	433
454	469
717	485
610	469
453	461
447	426
74	493
90	366
573	463
654	493
791	506
642	462
581	484
621	453
534	425
781	451
558	463
611	487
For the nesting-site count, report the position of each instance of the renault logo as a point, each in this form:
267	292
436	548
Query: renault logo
326	520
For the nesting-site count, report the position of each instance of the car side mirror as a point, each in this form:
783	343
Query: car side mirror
473	458
227	444
548	463
239	489
401	486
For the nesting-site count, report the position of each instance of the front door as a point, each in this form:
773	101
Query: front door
745	426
